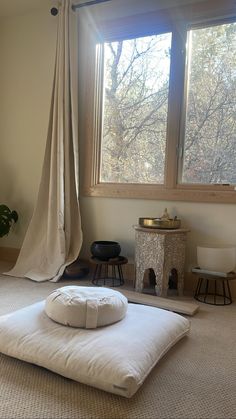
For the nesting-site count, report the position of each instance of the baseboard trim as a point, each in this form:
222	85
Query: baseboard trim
9	254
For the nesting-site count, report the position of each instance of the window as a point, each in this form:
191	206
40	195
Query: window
163	96
136	88
210	129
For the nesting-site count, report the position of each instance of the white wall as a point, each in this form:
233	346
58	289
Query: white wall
27	48
113	219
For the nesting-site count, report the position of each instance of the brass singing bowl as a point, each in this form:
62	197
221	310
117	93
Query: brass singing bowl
159	223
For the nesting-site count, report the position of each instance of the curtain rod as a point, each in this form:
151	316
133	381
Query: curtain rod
54	10
88	3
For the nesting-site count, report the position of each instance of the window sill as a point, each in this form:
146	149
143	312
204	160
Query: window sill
216	194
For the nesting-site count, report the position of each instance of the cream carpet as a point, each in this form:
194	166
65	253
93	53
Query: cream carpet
195	379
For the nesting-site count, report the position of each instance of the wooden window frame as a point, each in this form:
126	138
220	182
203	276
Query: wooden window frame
177	21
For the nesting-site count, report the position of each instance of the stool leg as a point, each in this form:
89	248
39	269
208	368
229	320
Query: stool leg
198	287
121	275
229	292
99	270
206	290
99	273
113	274
94	281
139	279
227	296
95	272
224	295
105	274
215	292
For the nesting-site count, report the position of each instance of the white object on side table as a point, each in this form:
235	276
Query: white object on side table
160	250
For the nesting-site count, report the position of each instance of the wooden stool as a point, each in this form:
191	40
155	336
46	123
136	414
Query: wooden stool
102	270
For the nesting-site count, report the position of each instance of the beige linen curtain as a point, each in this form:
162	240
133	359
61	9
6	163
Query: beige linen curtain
54	237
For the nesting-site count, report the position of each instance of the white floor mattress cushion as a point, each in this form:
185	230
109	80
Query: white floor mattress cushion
115	358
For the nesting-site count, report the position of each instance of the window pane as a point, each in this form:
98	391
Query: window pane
136	83
210	132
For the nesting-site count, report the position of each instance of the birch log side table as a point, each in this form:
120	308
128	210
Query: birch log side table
160	250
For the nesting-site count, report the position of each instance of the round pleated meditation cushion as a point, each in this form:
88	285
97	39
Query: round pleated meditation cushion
86	307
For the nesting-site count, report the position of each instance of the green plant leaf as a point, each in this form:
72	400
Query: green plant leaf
7	218
14	216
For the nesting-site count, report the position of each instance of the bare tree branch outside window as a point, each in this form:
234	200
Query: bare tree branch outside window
210	134
136	86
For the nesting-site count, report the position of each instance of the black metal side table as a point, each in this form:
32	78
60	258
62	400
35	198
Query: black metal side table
108	272
213	287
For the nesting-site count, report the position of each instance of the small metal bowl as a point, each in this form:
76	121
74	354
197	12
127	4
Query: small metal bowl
170	224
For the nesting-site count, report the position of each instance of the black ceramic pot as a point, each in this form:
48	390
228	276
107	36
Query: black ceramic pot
105	250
